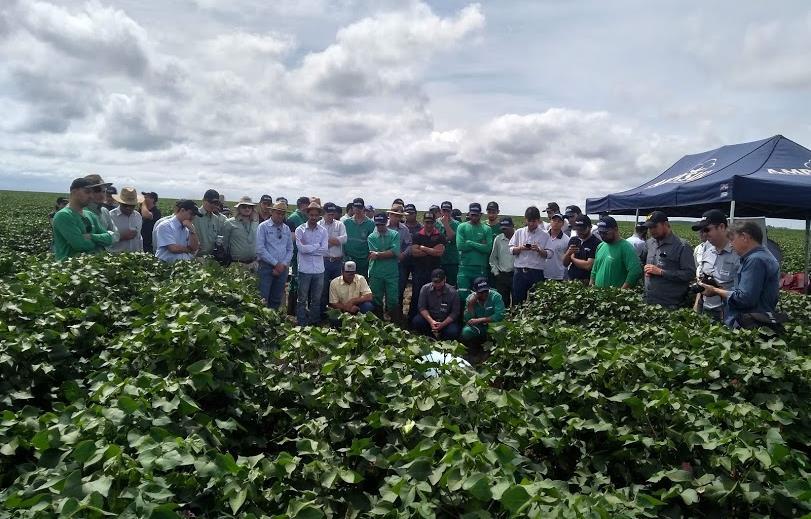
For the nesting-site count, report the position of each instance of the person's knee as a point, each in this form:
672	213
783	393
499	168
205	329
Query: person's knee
365	307
419	322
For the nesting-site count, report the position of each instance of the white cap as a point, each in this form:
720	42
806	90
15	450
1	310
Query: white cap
350	266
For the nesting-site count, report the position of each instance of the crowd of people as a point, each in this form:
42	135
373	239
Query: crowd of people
464	269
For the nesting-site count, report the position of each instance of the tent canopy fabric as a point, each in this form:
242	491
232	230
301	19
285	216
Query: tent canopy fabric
770	177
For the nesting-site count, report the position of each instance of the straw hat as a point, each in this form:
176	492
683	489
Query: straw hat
279	206
245	200
396	210
128	196
315	205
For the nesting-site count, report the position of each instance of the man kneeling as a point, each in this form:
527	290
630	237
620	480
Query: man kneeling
438	308
484	306
350	292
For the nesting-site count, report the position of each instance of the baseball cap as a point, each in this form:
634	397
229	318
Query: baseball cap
281	199
654	218
446	206
433	208
558	216
381	219
428	216
369	207
582	221
81	183
358	202
475	208
410	209
606	223
112	190
211	195
480	285
266	198
303	200
329	207
641	225
188	204
572	209
456	213
506	221
437	275
552	207
711	217
350	266
151	194
492	206
61	200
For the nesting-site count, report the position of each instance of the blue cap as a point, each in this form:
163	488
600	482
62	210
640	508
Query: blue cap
381	218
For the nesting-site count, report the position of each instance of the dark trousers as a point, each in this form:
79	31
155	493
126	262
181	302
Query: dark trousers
448	333
332	269
503	283
406	269
419	279
523	280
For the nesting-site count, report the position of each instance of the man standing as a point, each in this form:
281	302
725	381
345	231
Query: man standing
426	254
438	305
369	211
336	238
531	246
265	205
176	238
579	257
358	230
407	262
757	284
210	223
239	234
483	306
75	228
474	241
502	261
615	263
350	292
61	203
96	206
719	261
670	266
150	214
128	221
384	275
274	248
296	219
492	218
312	244
448	226
396	215
639	241
559	244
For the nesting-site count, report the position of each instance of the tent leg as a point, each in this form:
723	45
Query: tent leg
807	253
731	211
636	222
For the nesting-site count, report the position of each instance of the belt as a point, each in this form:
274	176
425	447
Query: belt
333	258
527	269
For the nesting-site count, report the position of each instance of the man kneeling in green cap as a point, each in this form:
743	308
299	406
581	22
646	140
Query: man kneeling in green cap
483	306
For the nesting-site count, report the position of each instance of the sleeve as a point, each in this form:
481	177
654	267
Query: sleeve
63	226
487	246
100	235
110	225
514	239
302	248
288	253
454	314
752	279
598	262
422	301
632	265
687	266
364	286
461	238
333	291
261	248
226	235
468	315
164	235
395	245
322	247
498	307
341	232
494	254
139	223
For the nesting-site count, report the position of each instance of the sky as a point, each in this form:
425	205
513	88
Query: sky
522	102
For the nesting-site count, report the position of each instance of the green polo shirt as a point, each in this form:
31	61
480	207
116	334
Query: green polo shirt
208	227
296	219
69	228
492	307
474	243
357	238
451	254
616	264
239	238
390	240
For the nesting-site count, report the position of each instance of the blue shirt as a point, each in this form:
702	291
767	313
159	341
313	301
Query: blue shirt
171	232
757	286
274	243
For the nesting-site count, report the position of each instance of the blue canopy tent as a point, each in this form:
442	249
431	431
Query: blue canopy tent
770	177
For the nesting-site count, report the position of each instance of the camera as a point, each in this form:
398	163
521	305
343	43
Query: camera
527	246
695	288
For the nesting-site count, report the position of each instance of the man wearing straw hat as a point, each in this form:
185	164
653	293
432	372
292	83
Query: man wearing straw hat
274	248
128	221
312	244
239	234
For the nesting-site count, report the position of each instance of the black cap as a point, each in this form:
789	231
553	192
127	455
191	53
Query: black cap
572	209
281	199
606	223
188	204
381	219
437	275
474	208
410	209
492	206
112	190
433	208
266	198
583	221
398	201
329	207
654	218
558	216
358	202
61	200
480	285
456	213
640	225
81	183
506	221
711	217
151	194
211	195
552	207
428	216
446	206
302	200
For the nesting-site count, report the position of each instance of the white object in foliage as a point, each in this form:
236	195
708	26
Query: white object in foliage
436	357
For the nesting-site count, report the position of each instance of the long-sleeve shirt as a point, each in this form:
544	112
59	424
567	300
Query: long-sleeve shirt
208	227
274	243
492	307
311	243
616	264
757	286
336	230
405	236
501	260
69	230
388	241
125	222
451	254
675	257
357	238
531	259
106	221
239	238
474	243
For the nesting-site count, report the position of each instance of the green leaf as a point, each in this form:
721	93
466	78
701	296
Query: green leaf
84	450
689	496
514	498
200	366
350	476
237	500
100	485
41	441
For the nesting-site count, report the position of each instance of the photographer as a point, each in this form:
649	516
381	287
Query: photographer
717	265
757	284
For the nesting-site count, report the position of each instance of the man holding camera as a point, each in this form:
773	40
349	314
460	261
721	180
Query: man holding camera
530	245
717	265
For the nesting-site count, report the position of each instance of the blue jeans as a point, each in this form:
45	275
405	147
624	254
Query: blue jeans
523	280
448	333
271	287
308	309
332	269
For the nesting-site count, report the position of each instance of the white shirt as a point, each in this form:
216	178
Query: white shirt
336	230
311	243
698	253
123	222
640	246
554	268
530	258
171	232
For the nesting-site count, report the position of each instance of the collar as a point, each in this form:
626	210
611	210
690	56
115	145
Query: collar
422	231
727	248
354	280
756	249
670	238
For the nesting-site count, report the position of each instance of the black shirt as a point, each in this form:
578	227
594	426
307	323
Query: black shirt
588	249
425	264
148	226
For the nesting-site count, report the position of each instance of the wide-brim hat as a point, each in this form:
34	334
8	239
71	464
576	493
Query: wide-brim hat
396	210
128	196
97	181
279	206
245	200
314	205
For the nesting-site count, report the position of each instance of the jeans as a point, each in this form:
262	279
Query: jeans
271	287
332	269
523	280
308	309
448	333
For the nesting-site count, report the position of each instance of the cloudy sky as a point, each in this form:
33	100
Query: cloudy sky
517	101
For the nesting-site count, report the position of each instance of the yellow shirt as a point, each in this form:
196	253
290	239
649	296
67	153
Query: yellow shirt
341	292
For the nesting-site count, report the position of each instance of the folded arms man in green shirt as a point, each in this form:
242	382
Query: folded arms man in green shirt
615	263
75	229
475	242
